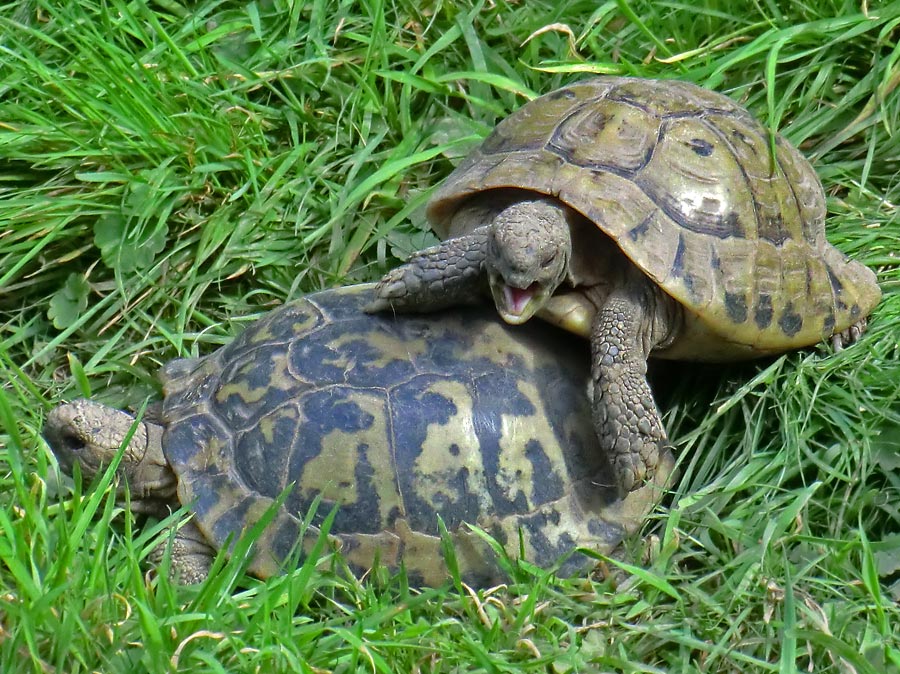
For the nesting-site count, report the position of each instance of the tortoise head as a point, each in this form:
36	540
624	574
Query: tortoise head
529	248
91	434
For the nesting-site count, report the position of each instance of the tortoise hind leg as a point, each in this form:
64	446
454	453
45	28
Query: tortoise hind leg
841	340
448	274
633	319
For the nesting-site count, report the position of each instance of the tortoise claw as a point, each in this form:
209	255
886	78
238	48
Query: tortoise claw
843	339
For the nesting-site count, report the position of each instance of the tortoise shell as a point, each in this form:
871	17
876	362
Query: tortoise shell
682	180
396	421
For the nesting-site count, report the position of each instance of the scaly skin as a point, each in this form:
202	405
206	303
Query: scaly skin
191	556
91	434
634	317
448	274
524	252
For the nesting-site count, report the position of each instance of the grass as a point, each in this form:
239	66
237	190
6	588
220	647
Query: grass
170	170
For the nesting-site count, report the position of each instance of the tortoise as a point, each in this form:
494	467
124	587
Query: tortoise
395	421
650	217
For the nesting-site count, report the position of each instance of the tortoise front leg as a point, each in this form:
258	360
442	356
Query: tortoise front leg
631	321
191	558
448	274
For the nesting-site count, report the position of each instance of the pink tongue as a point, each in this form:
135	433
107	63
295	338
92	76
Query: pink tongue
517	298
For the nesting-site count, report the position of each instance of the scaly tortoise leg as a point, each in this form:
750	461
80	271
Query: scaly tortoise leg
192	556
448	274
841	340
630	322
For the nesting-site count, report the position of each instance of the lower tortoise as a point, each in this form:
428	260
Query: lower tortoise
395	421
655	218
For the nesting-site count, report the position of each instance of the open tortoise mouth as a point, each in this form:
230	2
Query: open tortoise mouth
517	305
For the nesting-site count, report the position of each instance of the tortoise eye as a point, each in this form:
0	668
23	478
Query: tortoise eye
71	442
548	260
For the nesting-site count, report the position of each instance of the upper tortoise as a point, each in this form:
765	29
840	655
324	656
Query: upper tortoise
395	421
651	217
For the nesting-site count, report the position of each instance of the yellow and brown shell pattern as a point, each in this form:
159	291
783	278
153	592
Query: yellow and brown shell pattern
396	420
682	179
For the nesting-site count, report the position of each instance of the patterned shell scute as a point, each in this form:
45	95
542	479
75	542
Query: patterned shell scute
684	181
395	420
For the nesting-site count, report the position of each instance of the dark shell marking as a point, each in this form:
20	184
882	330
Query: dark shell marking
397	421
683	180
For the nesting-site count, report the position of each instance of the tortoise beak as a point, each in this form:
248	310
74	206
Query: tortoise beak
517	305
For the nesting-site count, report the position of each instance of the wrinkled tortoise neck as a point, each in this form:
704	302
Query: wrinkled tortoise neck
150	478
